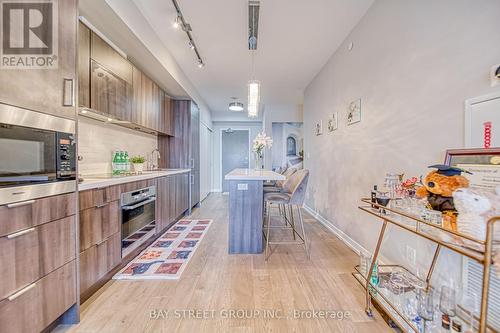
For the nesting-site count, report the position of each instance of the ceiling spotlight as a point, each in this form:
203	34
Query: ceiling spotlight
191	45
200	63
236	106
177	22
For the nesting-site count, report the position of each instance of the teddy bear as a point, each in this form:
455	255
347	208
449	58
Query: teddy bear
438	187
475	206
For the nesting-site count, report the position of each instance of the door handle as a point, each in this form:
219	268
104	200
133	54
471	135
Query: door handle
68	92
19	204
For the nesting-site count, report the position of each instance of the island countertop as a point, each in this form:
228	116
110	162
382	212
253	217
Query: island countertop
251	174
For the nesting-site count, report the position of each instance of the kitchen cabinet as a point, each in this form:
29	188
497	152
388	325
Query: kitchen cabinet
146	105
109	93
28	255
36	212
181	194
48	90
83	65
98	260
195	155
104	54
165	200
165	123
98	196
38	304
98	223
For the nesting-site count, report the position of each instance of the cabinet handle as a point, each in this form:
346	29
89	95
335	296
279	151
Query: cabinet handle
20	292
103	205
192	163
20	233
192	179
68	92
19	204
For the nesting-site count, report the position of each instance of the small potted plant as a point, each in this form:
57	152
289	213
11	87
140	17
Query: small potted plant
138	163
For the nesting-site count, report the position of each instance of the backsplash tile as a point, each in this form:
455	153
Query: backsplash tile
97	141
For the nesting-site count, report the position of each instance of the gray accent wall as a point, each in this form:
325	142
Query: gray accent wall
413	64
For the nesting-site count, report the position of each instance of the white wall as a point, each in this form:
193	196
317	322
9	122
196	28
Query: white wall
254	127
97	141
413	64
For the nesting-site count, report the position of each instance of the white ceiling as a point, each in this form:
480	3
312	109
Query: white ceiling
296	38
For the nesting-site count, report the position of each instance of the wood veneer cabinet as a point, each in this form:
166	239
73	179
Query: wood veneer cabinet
41	302
98	260
28	255
99	196
104	54
83	65
99	223
146	105
37	212
109	93
48	90
172	199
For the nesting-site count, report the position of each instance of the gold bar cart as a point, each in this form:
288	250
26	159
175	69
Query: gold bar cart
432	233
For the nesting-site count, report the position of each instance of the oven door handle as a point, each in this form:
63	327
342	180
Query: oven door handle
142	203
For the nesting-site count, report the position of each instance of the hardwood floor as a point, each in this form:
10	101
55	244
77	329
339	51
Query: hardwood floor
217	281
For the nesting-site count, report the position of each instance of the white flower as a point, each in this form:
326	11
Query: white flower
261	142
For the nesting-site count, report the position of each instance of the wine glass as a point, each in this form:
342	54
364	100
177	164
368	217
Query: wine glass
383	199
448	301
425	306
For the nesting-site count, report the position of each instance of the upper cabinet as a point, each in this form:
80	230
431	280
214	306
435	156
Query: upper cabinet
83	65
48	88
110	84
105	55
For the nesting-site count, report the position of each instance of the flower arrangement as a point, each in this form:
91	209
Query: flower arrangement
261	142
409	186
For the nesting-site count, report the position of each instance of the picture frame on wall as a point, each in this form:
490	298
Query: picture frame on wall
354	112
333	122
319	128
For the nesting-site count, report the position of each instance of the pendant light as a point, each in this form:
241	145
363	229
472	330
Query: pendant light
253	93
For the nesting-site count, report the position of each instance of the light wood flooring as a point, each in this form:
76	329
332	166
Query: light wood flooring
220	282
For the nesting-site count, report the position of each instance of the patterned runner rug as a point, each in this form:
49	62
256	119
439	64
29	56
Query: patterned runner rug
169	255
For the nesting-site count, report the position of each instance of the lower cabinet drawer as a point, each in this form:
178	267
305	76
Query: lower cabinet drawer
36	306
27	214
97	224
27	255
98	260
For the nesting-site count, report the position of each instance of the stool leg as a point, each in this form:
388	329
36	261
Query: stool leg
303	232
283	208
292	221
268	228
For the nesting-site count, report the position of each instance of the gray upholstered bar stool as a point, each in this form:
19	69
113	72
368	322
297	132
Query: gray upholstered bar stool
278	187
293	195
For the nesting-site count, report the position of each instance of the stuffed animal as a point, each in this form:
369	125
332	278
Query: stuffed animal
438	187
475	207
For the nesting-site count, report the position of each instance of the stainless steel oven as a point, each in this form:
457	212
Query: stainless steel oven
38	154
138	217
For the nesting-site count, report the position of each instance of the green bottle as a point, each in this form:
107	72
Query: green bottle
126	162
115	164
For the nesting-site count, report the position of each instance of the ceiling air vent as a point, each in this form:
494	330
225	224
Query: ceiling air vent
253	24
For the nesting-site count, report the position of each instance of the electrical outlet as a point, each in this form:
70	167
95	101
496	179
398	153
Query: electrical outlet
411	255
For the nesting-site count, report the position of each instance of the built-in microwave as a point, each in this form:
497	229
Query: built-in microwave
35	149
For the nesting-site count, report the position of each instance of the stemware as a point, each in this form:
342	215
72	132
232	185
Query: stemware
425	306
448	301
383	199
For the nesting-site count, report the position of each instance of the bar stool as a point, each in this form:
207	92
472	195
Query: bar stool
278	187
293	195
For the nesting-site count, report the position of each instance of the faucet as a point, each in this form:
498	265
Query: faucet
154	165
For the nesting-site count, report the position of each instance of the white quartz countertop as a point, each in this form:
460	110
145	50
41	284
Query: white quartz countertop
96	181
251	174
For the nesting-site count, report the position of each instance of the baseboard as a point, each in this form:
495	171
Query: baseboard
351	243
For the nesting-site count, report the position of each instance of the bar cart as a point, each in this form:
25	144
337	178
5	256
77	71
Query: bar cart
443	238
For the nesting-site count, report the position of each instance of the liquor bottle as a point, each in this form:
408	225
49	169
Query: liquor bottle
373	196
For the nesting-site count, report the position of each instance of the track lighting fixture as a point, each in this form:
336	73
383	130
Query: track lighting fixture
177	22
180	22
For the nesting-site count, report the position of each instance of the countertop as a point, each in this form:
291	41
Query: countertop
96	181
251	174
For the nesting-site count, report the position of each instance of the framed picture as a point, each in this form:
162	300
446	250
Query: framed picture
333	122
319	127
354	115
483	165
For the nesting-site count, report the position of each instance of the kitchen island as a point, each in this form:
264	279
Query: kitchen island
246	208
